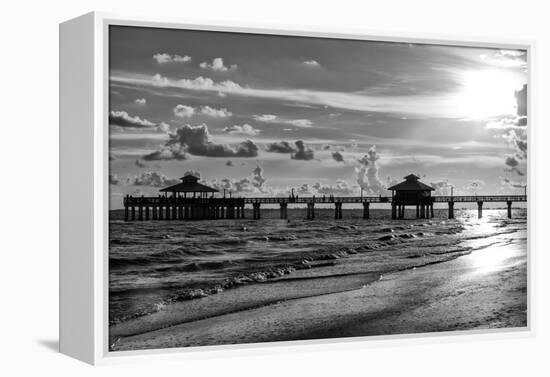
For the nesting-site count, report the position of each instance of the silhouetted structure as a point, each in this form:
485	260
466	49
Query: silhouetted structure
412	192
193	207
189	184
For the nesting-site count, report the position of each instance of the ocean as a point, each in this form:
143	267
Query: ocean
154	264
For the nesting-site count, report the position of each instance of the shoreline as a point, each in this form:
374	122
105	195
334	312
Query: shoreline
484	289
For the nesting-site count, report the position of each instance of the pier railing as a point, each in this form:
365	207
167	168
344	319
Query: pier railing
162	200
480	198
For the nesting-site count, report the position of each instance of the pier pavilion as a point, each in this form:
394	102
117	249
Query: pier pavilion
412	192
190	200
189	184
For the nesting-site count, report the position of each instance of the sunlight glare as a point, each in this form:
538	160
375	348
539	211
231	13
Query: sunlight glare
488	93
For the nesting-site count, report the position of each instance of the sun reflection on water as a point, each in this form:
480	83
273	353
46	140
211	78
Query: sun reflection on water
492	251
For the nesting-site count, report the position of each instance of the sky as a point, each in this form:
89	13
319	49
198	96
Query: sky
260	115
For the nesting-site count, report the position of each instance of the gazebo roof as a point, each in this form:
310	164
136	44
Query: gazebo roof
411	183
189	183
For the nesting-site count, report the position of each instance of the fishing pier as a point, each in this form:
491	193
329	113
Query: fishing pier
190	200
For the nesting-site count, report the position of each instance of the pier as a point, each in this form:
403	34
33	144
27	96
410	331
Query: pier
201	204
176	208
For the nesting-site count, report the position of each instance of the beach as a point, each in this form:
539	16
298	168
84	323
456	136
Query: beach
379	278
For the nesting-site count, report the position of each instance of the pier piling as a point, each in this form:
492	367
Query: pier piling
337	210
451	210
479	209
256	210
283	211
509	204
310	211
366	214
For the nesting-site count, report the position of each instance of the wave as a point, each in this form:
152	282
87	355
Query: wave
164	264
166	256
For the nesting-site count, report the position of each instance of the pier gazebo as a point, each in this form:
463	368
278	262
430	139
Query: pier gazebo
189	184
412	192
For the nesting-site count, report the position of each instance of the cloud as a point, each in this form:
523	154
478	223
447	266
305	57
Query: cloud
270	118
513	164
311	63
199	83
141	101
265	118
168	152
217	65
113	179
367	173
508	123
441	187
140	164
514	129
439	105
391	181
281	147
194	173
183	111
515	122
517	140
521	101
475	185
245	129
123	119
510	183
153	179
298	152
255	183
196	140
507	59
163	127
306	123
337	156
302	152
216	113
258	178
167	58
341	187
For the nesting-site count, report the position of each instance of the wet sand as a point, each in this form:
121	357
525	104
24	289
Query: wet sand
485	289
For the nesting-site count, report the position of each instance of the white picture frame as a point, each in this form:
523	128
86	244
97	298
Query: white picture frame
84	189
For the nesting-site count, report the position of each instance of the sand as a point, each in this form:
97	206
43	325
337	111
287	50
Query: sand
485	289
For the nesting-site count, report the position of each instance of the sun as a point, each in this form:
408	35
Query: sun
488	93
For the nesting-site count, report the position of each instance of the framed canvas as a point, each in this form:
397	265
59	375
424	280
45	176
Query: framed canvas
227	188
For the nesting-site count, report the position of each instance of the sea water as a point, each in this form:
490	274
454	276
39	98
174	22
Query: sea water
153	264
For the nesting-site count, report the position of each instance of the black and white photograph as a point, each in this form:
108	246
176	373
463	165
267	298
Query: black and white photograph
268	188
